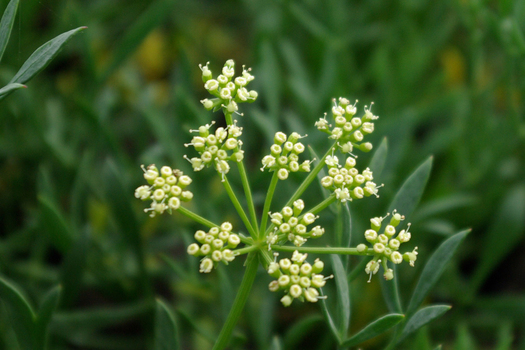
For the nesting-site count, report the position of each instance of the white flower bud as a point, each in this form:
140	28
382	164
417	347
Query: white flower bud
206	265
286	301
311	295
193	249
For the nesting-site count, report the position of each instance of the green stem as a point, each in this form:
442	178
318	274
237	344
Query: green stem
238	303
268	202
325	203
196	217
239	208
310	177
246	250
321	250
247	193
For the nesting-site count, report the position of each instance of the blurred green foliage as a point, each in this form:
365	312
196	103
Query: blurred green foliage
447	78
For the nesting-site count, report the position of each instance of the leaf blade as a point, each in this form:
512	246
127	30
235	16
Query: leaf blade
343	295
166	334
433	269
6	25
44	316
43	56
21	314
374	329
422	317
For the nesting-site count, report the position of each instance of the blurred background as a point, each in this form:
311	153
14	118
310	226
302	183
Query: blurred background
447	79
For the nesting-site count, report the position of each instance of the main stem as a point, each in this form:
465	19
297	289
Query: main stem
239	302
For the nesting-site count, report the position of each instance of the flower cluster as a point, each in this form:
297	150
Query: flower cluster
284	156
165	189
216	148
216	245
292	226
346	182
299	279
228	91
349	131
385	246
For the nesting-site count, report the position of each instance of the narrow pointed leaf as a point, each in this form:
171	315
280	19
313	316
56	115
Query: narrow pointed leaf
422	317
6	25
54	225
329	319
412	189
20	313
43	56
72	271
433	270
6	90
377	163
166	334
347	225
390	291
43	318
343	296
374	329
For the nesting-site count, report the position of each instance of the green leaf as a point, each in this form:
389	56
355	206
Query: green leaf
166	334
439	347
20	313
101	317
150	19
72	271
118	200
509	223
343	296
433	270
43	318
6	25
6	90
464	339
377	163
347	225
55	225
390	291
43	56
329	319
374	329
422	317
412	189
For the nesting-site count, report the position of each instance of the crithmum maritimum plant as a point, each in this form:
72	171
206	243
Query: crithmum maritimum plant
281	238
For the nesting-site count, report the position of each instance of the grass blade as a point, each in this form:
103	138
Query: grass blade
510	220
166	334
43	56
43	318
55	225
433	270
20	313
374	329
